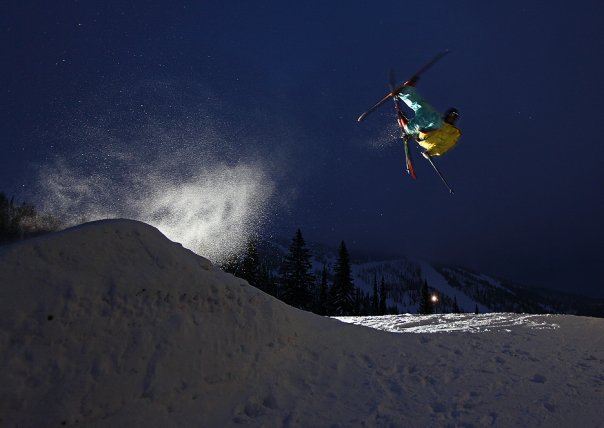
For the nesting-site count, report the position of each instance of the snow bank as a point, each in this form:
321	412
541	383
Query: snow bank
112	324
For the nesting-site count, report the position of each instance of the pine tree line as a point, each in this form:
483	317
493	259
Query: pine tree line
22	221
328	293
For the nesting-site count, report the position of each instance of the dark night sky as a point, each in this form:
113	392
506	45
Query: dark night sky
281	84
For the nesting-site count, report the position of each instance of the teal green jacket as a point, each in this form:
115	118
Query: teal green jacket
426	117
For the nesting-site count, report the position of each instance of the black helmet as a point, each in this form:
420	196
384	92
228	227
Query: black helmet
451	115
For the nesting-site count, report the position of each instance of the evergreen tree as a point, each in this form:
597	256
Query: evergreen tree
456	309
425	305
231	264
357	306
18	222
250	264
5	218
375	301
296	278
322	300
367	308
265	279
383	296
342	291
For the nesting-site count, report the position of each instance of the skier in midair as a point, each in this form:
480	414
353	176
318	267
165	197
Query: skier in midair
434	132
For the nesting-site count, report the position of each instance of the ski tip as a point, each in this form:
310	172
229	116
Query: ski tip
361	117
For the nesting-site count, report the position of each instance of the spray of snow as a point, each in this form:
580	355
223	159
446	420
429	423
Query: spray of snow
212	212
387	137
184	175
215	213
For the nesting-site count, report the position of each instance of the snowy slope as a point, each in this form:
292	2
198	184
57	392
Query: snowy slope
400	277
457	288
436	280
112	324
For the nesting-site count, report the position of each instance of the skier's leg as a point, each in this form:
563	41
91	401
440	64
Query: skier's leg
426	117
402	119
409	96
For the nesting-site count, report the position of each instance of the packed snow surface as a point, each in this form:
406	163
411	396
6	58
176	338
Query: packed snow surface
454	322
112	324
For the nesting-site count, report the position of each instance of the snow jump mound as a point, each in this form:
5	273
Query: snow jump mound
112	324
109	321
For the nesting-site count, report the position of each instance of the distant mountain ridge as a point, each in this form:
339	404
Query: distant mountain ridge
456	287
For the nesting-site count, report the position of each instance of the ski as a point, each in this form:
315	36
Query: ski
396	90
425	67
375	106
429	159
408	163
400	117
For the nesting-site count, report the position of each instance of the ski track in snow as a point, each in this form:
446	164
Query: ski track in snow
112	324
